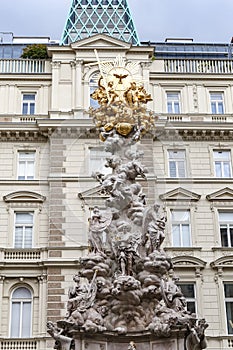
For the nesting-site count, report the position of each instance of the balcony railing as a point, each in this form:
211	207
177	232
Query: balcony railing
23	66
18	344
24	255
198	66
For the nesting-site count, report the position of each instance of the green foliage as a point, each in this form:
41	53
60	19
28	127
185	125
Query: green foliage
35	51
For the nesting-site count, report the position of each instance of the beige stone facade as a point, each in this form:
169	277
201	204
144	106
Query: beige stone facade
60	192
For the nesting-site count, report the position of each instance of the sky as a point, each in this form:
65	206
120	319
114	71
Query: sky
155	20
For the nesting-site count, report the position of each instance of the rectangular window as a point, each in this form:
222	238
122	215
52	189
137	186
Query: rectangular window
228	291
222	163
173	102
226	228
216	100
26	165
98	160
181	234
176	160
188	290
28	104
23	230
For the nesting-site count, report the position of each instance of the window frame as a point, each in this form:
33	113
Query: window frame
222	161
26	165
177	223
225	301
21	318
92	169
217	102
24	226
28	103
177	161
93	85
173	102
191	300
227	223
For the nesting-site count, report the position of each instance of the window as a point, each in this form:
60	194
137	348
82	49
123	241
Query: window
93	86
98	160
226	228
188	290
181	228
173	102
21	313
222	163
228	291
23	230
216	100
28	106
176	160
26	165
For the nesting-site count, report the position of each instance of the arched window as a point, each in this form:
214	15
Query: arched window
21	313
93	86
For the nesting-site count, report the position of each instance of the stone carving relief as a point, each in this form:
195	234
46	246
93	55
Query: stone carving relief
124	285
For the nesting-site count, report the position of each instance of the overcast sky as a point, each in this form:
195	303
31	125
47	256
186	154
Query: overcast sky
156	20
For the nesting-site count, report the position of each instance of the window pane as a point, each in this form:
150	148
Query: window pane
22	293
18	237
25	108
176	235
32	108
172	169
223	232
180	215
229	311
218	171
29	97
220	108
231	237
26	218
186	235
226	170
169	107
225	216
191	307
181	168
188	290
228	288
15	320
176	107
26	320
28	237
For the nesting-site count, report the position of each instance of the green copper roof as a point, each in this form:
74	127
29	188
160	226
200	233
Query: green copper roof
90	17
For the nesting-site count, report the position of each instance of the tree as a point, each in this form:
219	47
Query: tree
35	51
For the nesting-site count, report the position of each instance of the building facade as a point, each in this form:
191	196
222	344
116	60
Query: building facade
49	149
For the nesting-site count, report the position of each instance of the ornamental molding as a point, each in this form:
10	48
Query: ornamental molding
190	132
100	41
188	261
224	261
92	197
21	135
180	194
24	196
225	194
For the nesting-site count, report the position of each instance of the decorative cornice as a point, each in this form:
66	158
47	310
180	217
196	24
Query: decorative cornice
180	194
225	194
24	196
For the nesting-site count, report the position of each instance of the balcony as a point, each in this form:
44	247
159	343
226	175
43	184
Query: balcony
193	66
24	66
18	344
11	255
198	66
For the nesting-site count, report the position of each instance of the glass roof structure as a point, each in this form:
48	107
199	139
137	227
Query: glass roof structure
90	17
